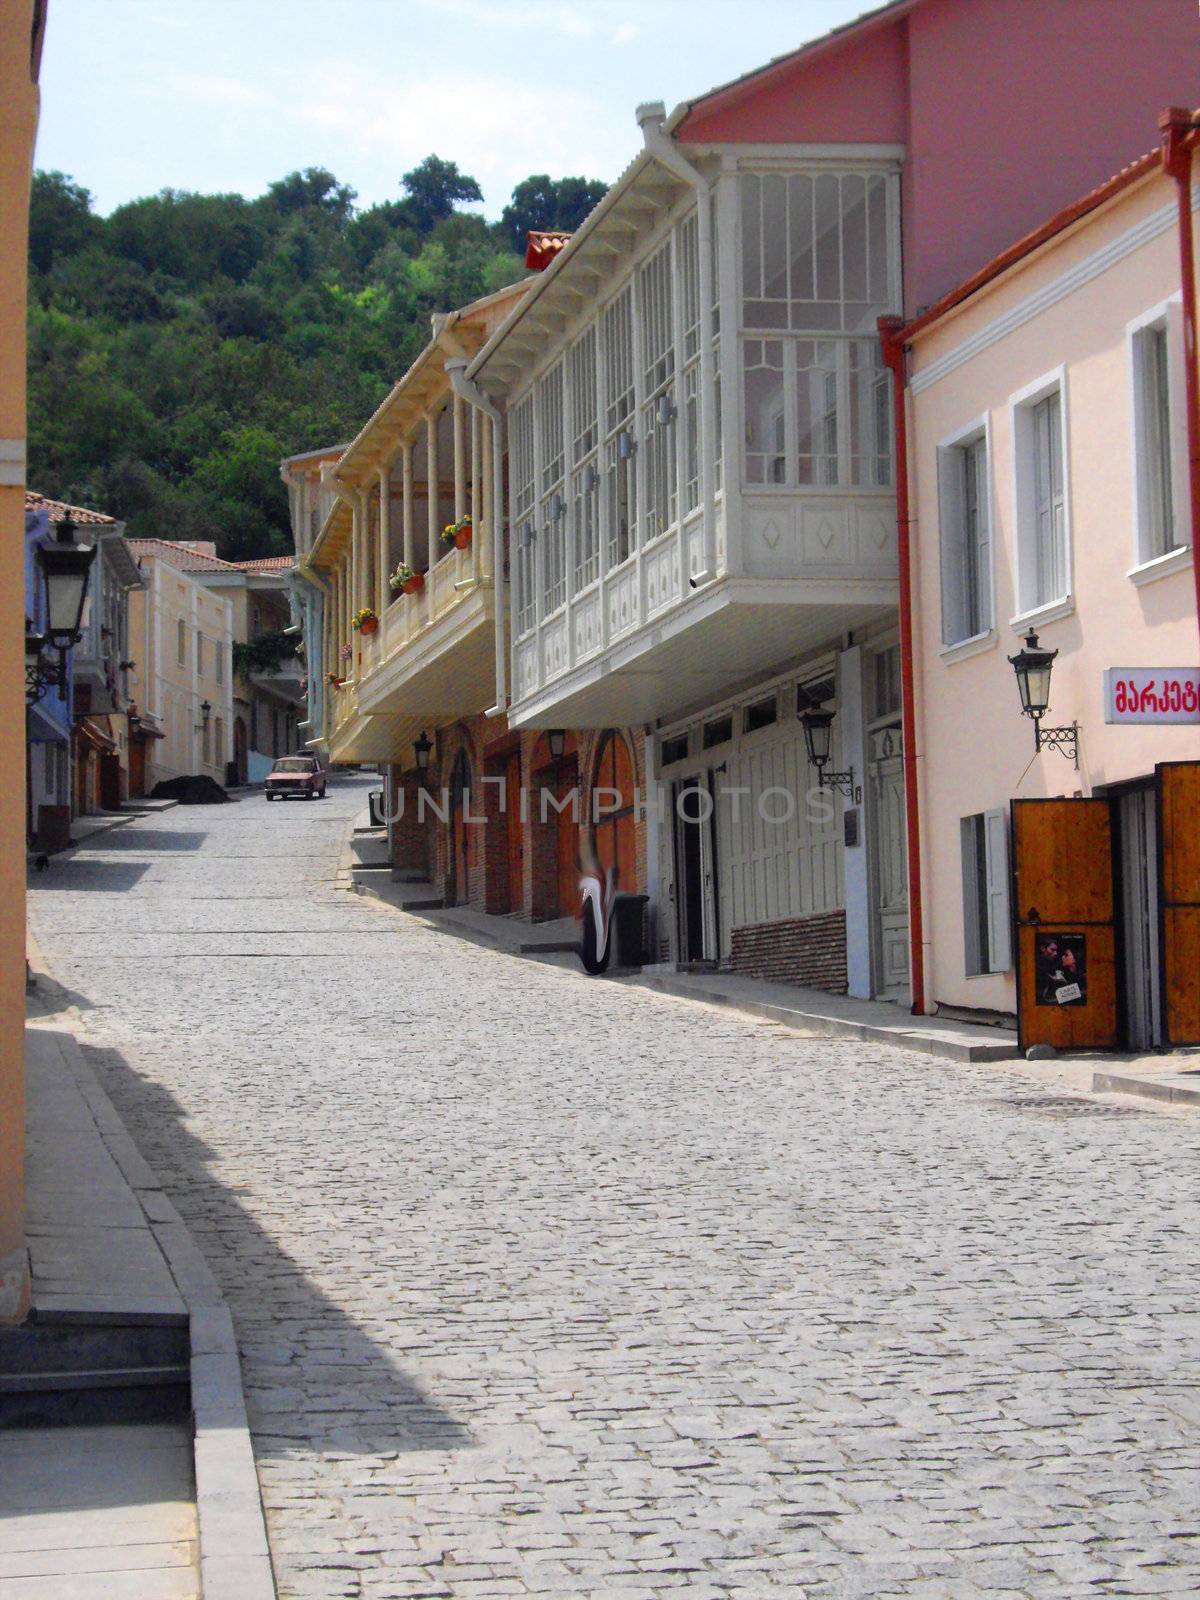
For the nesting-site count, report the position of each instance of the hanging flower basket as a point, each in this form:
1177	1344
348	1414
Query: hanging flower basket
364	621
347	652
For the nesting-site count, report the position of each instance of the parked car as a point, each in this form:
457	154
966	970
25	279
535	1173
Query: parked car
301	777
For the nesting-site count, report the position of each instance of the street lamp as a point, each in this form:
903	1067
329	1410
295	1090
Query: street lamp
1032	666
65	567
818	741
556	738
421	749
205	713
36	676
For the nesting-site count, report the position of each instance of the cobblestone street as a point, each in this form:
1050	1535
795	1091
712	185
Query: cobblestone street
555	1286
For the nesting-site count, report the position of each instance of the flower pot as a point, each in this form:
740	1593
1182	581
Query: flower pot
370	625
414	584
462	539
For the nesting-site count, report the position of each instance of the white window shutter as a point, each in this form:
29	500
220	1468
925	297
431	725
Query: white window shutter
950	512
1177	393
999	915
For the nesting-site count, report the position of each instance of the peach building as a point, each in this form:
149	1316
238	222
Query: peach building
182	635
1049	495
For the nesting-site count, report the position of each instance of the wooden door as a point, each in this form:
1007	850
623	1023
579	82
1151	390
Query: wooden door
889	864
514	832
137	767
1179	832
459	876
566	843
1063	894
616	840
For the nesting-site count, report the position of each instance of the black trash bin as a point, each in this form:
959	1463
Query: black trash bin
375	807
628	930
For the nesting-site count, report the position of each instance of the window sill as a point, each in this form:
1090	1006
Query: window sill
1041	615
1161	566
974	646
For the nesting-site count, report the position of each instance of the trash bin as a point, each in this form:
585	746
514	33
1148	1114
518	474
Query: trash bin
628	931
375	807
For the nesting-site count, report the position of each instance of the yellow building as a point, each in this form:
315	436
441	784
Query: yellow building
22	23
181	634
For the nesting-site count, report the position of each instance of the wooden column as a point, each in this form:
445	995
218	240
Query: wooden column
476	495
410	540
431	486
383	549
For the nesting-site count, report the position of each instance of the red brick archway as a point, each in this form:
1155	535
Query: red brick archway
611	799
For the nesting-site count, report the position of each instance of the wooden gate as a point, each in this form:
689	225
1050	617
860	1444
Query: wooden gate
1063	895
1179	833
515	832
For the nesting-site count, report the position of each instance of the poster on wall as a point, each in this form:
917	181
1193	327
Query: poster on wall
1060	968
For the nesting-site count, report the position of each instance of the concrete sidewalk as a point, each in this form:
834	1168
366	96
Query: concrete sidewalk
159	1510
808	1011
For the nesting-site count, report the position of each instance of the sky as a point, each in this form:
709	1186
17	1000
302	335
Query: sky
228	95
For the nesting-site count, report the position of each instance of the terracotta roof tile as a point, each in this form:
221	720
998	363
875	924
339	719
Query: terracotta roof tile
59	510
542	248
182	556
267	564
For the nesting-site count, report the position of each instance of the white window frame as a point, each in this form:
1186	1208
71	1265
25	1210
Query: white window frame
1148	565
1021	407
951	534
987	903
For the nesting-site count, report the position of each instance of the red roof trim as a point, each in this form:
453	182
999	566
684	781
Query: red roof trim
1075	212
543	246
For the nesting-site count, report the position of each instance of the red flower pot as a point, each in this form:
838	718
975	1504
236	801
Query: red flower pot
370	625
462	539
414	584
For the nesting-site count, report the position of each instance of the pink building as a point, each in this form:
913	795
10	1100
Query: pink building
1051	516
1004	110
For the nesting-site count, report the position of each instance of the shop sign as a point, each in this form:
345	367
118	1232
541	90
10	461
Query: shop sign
1152	694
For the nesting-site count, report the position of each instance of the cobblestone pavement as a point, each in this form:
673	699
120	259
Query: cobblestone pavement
546	1285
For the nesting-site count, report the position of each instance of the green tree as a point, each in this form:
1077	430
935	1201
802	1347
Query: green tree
60	219
543	203
434	189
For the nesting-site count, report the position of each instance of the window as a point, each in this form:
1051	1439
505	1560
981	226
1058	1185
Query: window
659	434
1158	451
205	743
760	715
812	696
816	272
620	444
219	663
220	742
986	915
181	642
553	510
524	491
719	731
585	478
1041	499
965	536
674	749
199	653
885	687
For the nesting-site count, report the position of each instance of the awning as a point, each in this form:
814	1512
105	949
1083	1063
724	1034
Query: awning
90	733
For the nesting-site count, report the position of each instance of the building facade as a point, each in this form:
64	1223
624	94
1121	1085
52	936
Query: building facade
704	538
181	634
1050	493
310	499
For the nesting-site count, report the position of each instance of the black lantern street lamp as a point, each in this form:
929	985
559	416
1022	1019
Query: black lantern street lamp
421	749
556	738
1032	666
37	676
818	741
65	568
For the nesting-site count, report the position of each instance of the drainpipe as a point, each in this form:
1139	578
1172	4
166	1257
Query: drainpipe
668	154
1179	133
893	359
456	371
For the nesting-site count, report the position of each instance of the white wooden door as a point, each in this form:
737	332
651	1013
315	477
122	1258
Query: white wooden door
889	863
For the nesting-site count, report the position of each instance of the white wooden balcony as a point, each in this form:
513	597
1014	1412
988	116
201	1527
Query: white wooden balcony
700	432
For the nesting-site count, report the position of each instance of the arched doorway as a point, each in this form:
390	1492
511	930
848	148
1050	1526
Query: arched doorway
555	831
612	808
240	748
458	842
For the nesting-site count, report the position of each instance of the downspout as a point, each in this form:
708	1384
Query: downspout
668	154
893	359
456	371
1179	133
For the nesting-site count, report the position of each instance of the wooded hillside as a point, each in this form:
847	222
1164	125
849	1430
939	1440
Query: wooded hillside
181	346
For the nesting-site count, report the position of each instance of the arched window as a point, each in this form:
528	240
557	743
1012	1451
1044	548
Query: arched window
613	811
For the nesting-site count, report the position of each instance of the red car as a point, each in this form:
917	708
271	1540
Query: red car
297	777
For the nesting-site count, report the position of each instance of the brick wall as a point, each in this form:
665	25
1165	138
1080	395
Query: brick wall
810	951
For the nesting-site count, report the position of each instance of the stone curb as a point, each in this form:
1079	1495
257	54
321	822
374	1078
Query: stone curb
235	1559
907	1037
1147	1088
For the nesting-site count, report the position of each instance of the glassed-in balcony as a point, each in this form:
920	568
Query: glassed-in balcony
700	454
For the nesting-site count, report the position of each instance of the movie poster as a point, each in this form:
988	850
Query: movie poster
1060	968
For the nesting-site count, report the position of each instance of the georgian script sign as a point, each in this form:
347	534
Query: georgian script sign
1152	694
